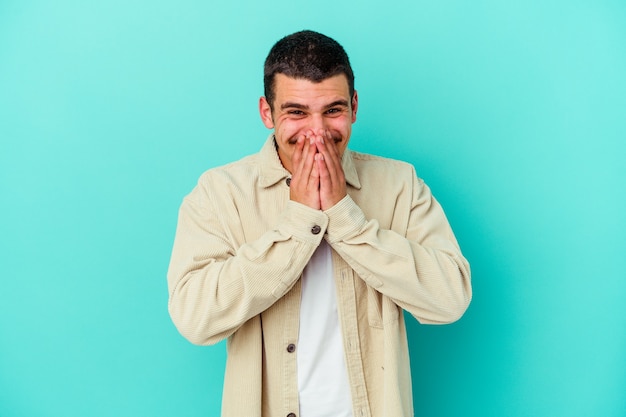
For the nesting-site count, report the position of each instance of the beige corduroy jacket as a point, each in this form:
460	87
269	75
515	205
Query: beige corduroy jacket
241	246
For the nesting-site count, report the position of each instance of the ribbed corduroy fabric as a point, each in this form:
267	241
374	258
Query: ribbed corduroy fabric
241	246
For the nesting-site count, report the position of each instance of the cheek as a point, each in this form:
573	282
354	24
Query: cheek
289	127
286	135
344	131
342	147
342	124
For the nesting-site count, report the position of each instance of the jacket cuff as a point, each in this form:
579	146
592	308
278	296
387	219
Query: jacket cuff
303	222
345	219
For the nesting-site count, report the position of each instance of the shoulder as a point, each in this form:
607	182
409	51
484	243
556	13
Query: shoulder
366	158
368	165
233	172
232	178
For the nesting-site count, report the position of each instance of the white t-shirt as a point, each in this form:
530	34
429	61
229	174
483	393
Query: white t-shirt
322	377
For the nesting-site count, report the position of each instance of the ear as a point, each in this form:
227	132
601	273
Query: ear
355	105
266	113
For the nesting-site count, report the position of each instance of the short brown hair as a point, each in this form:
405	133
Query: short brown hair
309	55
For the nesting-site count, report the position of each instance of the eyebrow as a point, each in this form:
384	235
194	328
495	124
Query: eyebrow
293	105
343	103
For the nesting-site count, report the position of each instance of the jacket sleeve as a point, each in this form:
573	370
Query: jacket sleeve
422	270
215	287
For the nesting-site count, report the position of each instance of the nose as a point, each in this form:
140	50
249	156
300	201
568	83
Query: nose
317	124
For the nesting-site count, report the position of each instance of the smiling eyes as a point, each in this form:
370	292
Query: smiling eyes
300	113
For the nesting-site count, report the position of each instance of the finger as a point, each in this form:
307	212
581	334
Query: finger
296	157
332	161
324	174
333	150
304	169
314	182
311	151
332	178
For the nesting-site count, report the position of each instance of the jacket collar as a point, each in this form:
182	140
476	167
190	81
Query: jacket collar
272	170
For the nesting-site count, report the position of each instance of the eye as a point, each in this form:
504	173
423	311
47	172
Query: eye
333	111
295	112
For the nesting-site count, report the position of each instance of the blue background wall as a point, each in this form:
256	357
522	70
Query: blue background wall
513	112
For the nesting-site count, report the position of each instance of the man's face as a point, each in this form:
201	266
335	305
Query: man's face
304	108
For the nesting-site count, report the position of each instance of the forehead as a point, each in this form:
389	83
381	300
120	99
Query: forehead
298	89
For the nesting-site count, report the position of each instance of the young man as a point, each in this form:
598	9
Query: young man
304	255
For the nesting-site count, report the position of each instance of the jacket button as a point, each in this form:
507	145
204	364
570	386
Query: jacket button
291	415
291	348
288	181
316	230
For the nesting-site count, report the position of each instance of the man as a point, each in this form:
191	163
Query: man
304	255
